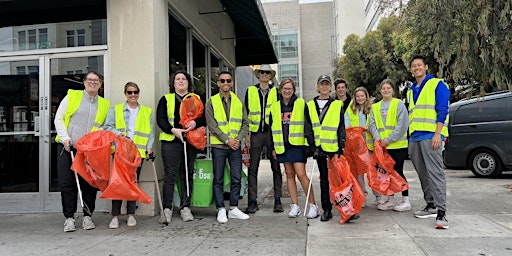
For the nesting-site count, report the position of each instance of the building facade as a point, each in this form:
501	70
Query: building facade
45	47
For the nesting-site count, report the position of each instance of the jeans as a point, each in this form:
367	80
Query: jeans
234	158
174	163
130	205
68	187
258	141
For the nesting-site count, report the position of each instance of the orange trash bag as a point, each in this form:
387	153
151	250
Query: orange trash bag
382	176
356	151
192	108
345	193
92	160
123	181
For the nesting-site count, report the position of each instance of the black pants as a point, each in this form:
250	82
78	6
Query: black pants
68	187
174	163
258	141
130	205
324	183
399	156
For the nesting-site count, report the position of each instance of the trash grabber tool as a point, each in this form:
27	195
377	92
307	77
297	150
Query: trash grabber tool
309	187
84	206
163	220
186	162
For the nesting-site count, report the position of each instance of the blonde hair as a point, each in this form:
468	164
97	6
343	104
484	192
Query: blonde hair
285	81
391	83
367	106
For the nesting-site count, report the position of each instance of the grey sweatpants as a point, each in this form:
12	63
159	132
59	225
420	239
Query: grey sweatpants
430	169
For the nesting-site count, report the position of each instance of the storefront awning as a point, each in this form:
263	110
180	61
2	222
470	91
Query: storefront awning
253	38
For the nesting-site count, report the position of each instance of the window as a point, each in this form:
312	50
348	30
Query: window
21	70
75	37
289	70
33	69
22	40
32	42
80	37
43	38
70	38
286	45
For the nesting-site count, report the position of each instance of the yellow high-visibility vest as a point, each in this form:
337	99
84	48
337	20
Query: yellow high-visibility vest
354	122
142	127
327	131
233	127
385	129
296	128
254	106
170	98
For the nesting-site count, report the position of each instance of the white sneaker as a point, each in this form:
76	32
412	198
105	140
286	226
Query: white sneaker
380	200
131	222
168	215
313	211
294	212
186	214
87	224
114	223
235	213
388	205
69	225
403	206
221	215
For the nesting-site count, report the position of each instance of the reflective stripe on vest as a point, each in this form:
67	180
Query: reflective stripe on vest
422	114
328	131
296	128
142	127
254	106
231	128
171	102
74	100
354	122
315	121
386	129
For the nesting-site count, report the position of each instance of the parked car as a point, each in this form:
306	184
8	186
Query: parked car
481	135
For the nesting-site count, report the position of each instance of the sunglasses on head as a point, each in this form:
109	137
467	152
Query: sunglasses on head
225	81
132	92
265	72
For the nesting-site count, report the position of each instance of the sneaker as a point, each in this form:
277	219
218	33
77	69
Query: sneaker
380	200
442	222
186	214
278	206
388	205
252	208
114	223
294	212
168	215
87	224
235	213
426	212
221	215
131	221
313	211
327	215
69	225
403	206
354	217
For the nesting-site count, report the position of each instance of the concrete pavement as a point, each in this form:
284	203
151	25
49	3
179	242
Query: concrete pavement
479	212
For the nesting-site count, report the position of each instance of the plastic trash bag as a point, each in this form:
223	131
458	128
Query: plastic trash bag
345	193
192	108
92	160
356	151
381	175
123	181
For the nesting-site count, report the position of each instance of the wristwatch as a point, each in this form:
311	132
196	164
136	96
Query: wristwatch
226	142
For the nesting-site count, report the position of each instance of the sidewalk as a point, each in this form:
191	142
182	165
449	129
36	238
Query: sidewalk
479	211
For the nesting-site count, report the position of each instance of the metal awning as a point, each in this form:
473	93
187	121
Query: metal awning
253	38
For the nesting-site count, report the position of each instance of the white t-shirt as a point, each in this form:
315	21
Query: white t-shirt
131	122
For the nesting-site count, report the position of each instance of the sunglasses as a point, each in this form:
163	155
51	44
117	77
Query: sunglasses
132	92
225	81
265	72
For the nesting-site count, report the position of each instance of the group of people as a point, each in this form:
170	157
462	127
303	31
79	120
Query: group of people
290	128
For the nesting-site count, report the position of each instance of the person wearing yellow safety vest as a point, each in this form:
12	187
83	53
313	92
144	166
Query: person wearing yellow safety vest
228	125
358	114
134	121
171	137
388	124
329	130
291	138
428	127
258	99
79	113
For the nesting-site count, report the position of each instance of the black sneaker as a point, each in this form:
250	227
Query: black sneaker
327	215
354	217
252	208
278	206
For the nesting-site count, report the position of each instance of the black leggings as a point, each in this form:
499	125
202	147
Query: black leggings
399	156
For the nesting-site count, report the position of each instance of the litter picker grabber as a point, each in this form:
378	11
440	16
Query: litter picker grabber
163	220
309	186
84	206
186	162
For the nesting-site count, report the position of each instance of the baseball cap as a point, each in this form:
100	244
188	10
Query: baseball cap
324	78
